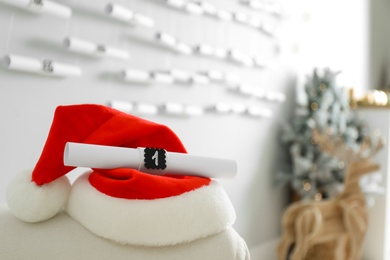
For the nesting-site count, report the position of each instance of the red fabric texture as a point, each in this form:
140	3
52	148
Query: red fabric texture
97	124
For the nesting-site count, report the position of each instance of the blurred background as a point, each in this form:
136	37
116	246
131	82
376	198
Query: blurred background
226	76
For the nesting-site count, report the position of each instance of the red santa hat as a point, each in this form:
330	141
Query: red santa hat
124	205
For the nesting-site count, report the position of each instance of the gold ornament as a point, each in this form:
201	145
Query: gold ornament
318	196
306	185
352	98
374	98
341	164
322	87
314	106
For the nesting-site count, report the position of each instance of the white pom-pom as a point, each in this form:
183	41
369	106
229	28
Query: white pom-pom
33	203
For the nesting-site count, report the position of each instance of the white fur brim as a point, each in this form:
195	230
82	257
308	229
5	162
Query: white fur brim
32	203
160	222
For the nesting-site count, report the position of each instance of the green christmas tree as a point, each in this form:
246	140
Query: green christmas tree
312	173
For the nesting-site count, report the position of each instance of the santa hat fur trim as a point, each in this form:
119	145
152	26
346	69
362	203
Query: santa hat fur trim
160	222
25	198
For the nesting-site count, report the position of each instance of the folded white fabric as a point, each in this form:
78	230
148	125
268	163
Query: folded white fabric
63	238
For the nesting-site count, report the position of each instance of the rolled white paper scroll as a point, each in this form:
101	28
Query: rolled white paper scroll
63	70
180	76
254	4
175	109
222	108
205	49
162	77
236	56
220	53
208	8
183	48
50	7
41	6
231	79
138	76
241	17
240	58
79	45
146	109
119	13
113	52
192	110
90	48
140	19
275	96
45	67
18	3
259	112
224	15
166	39
20	63
147	160
255	22
176	3
126	15
200	79
214	75
238	108
123	106
193	8
246	89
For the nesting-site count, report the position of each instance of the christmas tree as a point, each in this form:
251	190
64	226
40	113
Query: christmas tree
314	174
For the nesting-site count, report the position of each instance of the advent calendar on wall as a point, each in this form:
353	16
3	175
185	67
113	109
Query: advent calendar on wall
213	71
192	46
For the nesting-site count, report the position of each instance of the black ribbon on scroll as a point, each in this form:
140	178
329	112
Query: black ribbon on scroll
155	158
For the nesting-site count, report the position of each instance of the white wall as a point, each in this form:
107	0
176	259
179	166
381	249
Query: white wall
27	101
379	69
333	34
378	233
